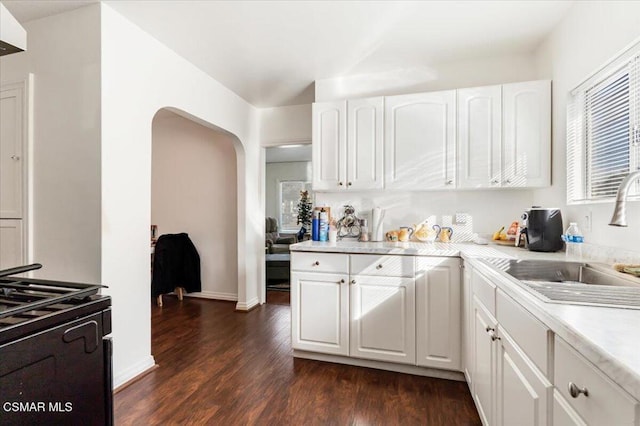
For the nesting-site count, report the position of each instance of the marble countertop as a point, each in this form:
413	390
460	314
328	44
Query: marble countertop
608	337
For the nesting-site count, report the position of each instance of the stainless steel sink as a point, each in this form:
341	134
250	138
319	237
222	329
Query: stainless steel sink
574	282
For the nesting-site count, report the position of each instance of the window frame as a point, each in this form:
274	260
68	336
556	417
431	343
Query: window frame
579	150
306	185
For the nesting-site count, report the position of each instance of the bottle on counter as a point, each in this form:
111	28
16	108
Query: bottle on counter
315	226
323	226
573	239
364	230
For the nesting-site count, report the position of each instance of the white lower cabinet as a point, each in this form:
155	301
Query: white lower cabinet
320	312
383	318
522	391
438	318
484	363
591	394
507	386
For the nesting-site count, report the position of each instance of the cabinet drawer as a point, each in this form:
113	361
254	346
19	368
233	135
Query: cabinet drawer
485	291
606	403
382	266
529	333
320	262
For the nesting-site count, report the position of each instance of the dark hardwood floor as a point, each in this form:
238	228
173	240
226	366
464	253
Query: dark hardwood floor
218	366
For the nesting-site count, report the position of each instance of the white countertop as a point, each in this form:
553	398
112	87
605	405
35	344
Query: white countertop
608	337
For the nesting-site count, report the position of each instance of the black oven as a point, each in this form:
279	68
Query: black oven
55	353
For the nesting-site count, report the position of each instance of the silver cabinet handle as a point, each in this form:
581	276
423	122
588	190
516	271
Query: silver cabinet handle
340	183
342	281
575	390
449	182
493	336
489	328
316	263
353	281
494	182
15	157
349	184
379	266
508	181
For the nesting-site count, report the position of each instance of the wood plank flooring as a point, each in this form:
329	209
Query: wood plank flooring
218	366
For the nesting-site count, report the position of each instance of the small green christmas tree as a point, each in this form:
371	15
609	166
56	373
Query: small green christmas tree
304	209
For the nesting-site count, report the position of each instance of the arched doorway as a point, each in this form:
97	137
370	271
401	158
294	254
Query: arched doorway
194	190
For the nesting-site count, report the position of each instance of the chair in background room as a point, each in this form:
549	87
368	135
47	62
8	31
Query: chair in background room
276	242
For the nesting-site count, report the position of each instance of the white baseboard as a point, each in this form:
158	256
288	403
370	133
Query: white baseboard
213	295
381	365
132	372
242	306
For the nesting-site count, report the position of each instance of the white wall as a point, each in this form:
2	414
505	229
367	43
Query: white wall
589	36
193	190
451	75
489	209
139	77
278	172
285	125
65	172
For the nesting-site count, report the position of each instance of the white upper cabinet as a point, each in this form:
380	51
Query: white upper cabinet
329	148
364	143
504	135
420	141
11	152
479	137
347	145
526	138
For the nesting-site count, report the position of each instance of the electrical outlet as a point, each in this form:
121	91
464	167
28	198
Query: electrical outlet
461	218
587	221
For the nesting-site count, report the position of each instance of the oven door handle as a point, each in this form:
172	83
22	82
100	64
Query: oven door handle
87	331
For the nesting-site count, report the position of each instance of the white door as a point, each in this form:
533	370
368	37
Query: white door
420	141
438	312
383	318
320	312
11	249
479	137
11	151
523	393
526	143
364	143
484	366
329	145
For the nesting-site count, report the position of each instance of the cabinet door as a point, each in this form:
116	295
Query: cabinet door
438	312
484	366
523	392
526	143
329	147
479	137
11	152
467	323
11	249
383	318
420	141
563	414
364	143
320	312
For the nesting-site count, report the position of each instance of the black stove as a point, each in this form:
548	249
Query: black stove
55	361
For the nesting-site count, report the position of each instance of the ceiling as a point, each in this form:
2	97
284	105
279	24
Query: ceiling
271	52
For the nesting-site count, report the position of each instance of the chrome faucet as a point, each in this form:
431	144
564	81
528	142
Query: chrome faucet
619	217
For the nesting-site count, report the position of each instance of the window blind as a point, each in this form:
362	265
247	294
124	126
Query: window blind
603	131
